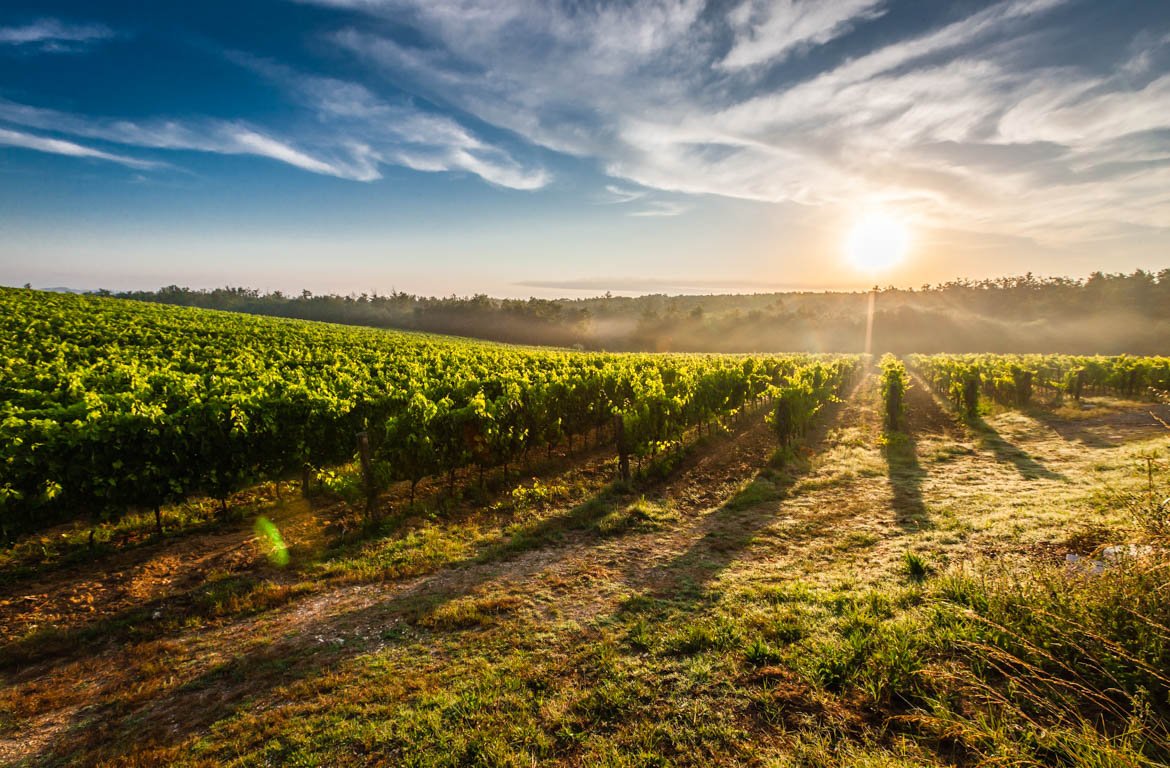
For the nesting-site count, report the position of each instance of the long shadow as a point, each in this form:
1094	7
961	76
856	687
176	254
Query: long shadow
1121	425
732	528
1071	431
169	615
166	616
989	438
119	724
1009	453
906	476
119	728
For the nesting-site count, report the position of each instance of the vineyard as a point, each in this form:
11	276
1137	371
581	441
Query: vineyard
328	545
111	405
1016	380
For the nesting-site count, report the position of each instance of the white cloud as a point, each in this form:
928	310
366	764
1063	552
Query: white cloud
963	125
671	96
1083	113
247	141
618	194
355	133
401	134
60	147
54	36
771	30
212	136
660	208
648	205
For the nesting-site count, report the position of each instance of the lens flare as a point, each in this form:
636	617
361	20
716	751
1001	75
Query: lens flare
278	551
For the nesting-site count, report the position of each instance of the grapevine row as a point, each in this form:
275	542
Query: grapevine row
894	382
109	405
1015	380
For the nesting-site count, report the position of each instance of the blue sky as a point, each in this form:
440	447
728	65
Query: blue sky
560	148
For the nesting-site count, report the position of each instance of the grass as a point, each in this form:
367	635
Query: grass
916	567
738	614
640	515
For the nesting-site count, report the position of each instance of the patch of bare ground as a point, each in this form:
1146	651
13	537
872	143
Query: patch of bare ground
130	579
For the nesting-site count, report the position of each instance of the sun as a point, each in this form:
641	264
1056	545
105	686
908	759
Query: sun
876	242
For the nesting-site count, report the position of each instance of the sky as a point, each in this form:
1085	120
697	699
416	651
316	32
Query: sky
517	148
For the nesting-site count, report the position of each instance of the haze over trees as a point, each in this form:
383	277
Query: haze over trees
1102	314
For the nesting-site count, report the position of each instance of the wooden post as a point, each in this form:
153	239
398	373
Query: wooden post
363	446
623	448
306	478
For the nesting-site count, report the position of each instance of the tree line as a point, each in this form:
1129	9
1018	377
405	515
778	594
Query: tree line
1100	314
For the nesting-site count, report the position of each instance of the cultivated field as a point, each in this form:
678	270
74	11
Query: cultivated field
813	561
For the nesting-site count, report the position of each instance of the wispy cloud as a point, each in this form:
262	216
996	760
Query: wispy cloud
54	36
659	208
648	204
395	133
615	194
351	133
770	30
669	95
213	136
246	141
69	148
980	120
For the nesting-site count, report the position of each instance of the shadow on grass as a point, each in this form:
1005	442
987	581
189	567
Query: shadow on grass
1105	427
1008	453
244	594
260	588
1073	432
118	722
732	528
906	475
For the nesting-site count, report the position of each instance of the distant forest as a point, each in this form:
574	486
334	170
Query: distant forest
1105	313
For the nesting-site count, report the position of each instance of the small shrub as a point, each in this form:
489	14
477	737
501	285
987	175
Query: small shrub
640	515
835	664
469	612
787	630
915	567
760	654
346	486
891	669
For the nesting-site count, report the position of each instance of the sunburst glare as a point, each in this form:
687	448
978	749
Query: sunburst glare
877	242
